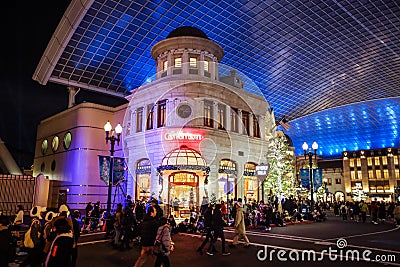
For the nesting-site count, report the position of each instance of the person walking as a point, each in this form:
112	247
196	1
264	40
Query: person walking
149	227
208	213
164	237
218	227
240	227
363	210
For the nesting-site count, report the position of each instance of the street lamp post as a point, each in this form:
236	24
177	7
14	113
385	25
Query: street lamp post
112	138
310	155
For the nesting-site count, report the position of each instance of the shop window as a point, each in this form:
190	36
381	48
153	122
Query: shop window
161	113
221	116
234	120
139	119
208	113
143	179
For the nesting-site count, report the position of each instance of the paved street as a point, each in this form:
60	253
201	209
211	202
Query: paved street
282	243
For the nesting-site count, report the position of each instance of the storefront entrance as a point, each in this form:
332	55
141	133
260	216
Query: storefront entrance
183	193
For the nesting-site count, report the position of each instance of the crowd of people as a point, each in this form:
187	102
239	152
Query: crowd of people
55	234
50	238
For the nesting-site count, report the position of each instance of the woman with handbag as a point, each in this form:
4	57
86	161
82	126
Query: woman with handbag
162	245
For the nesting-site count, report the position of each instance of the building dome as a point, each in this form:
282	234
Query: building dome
187	31
183	156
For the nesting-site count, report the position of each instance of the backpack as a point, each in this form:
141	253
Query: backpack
28	242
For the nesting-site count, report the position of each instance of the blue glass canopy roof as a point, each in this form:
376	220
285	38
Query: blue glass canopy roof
331	67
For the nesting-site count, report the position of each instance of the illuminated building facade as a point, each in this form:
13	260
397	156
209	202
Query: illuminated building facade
372	174
190	135
194	135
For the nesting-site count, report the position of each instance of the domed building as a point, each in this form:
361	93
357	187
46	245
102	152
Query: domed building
194	134
190	135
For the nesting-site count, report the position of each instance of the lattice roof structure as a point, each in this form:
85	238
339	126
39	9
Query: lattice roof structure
332	68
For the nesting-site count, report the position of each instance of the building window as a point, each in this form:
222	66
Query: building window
351	162
359	174
371	175
329	181
150	117
352	175
338	181
378	174
193	62
45	145
377	163
234	120
165	65
358	162
256	127
161	113
55	143
246	121
139	120
206	65
208	113
369	159
221	116
178	62
385	174
67	140
384	160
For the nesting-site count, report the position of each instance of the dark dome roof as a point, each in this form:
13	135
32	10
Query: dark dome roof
187	31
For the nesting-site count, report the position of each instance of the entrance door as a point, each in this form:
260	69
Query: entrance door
183	193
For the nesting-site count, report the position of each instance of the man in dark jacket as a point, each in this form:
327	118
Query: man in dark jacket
149	227
217	224
208	213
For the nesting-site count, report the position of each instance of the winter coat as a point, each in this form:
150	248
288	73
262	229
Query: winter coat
60	254
164	235
217	221
240	227
149	227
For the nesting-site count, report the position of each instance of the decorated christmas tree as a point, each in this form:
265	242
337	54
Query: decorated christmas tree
280	181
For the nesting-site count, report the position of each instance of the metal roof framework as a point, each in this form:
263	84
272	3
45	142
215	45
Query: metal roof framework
332	68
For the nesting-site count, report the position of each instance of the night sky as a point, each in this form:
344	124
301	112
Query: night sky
27	27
